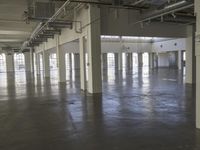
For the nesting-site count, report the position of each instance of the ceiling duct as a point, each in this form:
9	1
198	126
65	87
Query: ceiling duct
51	31
63	24
40	10
7	48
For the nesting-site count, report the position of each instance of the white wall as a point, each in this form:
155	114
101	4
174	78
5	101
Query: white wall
126	46
170	45
108	47
163	60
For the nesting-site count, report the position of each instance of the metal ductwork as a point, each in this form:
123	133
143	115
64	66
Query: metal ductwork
40	10
48	29
63	24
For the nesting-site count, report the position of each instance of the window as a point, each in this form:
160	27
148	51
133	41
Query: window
111	60
135	59
19	62
145	59
41	61
53	61
67	61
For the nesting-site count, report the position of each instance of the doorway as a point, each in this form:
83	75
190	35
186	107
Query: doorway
19	62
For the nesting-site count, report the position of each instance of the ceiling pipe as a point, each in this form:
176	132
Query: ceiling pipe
137	2
166	11
178	19
175	4
52	19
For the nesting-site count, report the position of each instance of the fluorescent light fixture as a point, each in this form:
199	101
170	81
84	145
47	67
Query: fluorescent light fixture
175	4
148	38
136	38
130	37
8	32
11	40
109	37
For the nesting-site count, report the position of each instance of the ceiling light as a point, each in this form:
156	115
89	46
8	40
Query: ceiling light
109	37
130	37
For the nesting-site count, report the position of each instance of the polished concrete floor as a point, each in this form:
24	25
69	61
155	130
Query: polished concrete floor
138	110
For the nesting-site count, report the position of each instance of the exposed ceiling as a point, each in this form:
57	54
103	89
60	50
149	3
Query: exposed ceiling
17	25
13	29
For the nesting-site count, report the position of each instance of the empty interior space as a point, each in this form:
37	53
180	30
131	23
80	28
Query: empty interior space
100	75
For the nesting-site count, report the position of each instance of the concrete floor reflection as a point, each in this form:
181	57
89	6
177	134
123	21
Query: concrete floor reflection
139	109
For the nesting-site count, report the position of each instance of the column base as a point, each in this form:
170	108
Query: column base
94	94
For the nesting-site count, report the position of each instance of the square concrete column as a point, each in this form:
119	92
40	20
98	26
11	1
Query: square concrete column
140	60
70	61
104	61
129	60
10	62
82	63
94	51
119	61
46	64
197	11
180	59
76	61
116	60
155	60
37	63
151	61
190	56
31	60
27	58
60	61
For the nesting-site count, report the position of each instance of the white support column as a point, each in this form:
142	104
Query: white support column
197	10
37	63
129	60
151	60
76	61
10	62
27	61
180	60
119	61
116	60
190	56
94	51
70	61
46	64
60	61
155	60
31	60
82	63
104	61
140	60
